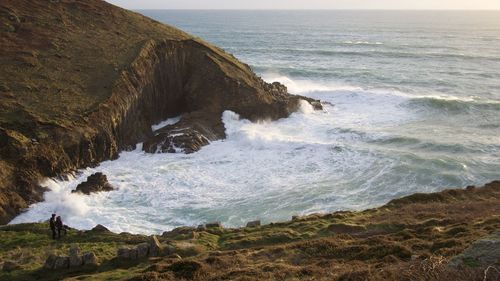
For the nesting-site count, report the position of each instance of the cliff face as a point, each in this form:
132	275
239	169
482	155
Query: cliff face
82	80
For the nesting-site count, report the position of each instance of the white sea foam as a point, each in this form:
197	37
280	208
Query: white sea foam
170	121
313	161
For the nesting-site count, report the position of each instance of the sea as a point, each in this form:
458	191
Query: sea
412	104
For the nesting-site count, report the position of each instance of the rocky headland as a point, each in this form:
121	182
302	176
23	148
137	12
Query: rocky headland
83	80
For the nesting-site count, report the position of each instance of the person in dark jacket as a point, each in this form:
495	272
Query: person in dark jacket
52	223
59	226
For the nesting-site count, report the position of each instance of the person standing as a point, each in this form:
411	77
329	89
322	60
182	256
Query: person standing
59	226
52	223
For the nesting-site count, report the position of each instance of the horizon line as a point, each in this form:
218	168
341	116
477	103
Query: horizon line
353	9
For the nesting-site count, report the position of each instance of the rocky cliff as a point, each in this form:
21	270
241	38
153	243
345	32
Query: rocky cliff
82	80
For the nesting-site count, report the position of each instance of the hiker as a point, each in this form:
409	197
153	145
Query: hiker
59	226
52	223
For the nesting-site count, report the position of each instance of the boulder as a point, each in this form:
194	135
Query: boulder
169	249
89	258
470	188
9	266
99	228
154	246
186	140
123	253
127	253
133	253
50	262
483	252
97	182
253	223
214	225
75	261
183	230
142	250
61	262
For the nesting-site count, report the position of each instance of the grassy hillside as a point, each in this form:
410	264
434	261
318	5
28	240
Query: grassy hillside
412	238
83	80
60	58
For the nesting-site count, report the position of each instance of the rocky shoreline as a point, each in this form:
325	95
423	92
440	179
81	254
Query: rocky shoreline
68	118
83	80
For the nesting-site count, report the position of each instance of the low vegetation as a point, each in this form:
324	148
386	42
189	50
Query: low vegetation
412	238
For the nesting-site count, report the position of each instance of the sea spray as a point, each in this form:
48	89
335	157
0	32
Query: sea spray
345	157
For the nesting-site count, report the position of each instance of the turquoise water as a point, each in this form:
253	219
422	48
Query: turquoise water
413	106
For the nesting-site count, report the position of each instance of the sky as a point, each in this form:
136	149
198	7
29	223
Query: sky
311	4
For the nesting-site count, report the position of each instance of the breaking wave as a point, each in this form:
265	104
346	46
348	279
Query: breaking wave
361	151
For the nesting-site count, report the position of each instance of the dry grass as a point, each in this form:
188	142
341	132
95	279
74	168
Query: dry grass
408	241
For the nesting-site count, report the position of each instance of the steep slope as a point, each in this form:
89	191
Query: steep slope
82	80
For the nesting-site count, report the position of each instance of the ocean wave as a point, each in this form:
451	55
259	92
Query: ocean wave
385	97
376	53
349	156
454	105
425	145
301	86
361	43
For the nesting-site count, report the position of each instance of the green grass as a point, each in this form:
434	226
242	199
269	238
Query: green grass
378	237
30	244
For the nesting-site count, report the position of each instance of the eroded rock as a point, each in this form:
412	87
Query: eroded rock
216	224
253	223
97	182
61	262
142	250
89	258
74	259
100	228
50	261
127	253
154	246
123	253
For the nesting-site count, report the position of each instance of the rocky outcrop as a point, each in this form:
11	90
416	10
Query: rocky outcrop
152	248
101	86
212	83
97	182
253	223
216	224
99	228
484	252
74	260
